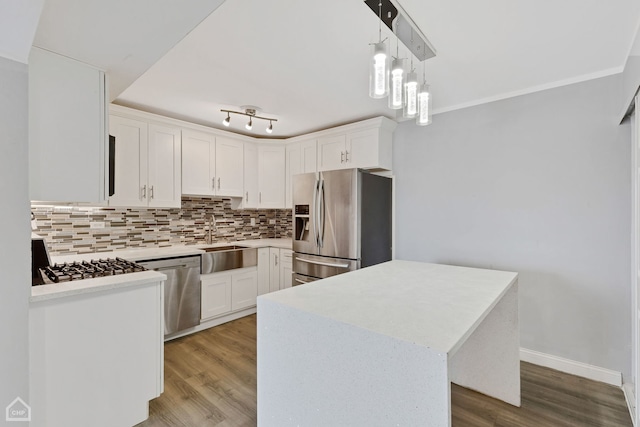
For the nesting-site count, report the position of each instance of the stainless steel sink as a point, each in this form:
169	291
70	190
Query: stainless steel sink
223	258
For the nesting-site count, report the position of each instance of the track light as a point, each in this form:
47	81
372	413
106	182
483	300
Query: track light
249	111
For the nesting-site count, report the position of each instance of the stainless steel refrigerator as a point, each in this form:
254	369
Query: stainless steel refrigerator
341	222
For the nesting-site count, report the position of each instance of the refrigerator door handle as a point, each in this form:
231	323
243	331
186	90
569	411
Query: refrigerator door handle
321	213
326	264
314	210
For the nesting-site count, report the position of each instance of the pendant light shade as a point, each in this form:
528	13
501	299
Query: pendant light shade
410	108
424	106
379	72
396	84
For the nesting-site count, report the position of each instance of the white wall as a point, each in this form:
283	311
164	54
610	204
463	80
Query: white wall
15	255
538	184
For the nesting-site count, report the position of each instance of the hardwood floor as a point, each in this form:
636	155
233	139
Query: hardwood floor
210	380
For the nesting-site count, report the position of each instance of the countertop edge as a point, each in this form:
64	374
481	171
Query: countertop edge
89	286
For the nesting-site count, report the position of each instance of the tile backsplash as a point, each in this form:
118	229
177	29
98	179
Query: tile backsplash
70	230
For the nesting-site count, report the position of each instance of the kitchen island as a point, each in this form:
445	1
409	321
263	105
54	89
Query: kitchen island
381	345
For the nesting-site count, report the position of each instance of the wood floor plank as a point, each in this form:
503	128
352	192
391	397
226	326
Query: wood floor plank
210	381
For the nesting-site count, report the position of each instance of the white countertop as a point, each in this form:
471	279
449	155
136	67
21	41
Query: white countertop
437	306
59	290
86	286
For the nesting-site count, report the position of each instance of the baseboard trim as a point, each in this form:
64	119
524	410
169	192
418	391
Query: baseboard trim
627	389
568	366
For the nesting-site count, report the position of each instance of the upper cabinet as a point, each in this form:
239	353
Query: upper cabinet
67	130
365	145
300	158
211	165
147	163
264	176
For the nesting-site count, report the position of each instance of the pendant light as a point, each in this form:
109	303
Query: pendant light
410	108
424	103
379	71
396	82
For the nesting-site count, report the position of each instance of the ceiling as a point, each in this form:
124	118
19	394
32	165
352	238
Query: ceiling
305	63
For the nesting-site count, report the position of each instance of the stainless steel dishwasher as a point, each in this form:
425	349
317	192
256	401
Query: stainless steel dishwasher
182	291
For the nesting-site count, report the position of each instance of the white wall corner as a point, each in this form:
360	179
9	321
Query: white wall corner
572	367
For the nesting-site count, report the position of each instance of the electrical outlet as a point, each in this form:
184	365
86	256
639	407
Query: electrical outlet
253	221
96	224
272	221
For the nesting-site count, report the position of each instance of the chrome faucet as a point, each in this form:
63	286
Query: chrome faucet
212	221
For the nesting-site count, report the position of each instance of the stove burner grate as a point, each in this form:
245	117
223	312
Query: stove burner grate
89	269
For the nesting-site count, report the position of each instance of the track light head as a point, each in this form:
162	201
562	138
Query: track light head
227	120
270	128
249	125
250	112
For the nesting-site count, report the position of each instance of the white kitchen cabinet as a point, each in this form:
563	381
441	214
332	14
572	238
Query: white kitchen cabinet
147	165
365	146
271	177
211	165
244	289
274	269
286	268
216	294
251	187
165	171
331	152
228	291
264	177
68	153
263	271
300	158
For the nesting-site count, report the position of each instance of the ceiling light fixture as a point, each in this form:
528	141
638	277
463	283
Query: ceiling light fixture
424	102
249	111
402	88
379	72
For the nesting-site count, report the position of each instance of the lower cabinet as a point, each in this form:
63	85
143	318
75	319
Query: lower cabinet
229	291
278	271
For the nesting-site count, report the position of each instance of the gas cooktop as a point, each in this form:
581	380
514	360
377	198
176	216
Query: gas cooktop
86	270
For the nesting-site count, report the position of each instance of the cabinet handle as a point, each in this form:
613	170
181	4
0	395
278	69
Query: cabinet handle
346	156
276	257
213	183
342	157
247	196
143	192
260	197
218	183
151	192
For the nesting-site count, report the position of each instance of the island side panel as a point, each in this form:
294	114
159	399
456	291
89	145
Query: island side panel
489	360
314	371
98	357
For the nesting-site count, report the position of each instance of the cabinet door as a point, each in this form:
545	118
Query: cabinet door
229	167
263	271
198	163
309	156
362	149
216	294
131	162
271	177
274	269
165	166
331	152
67	125
286	268
244	290
294	167
251	190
